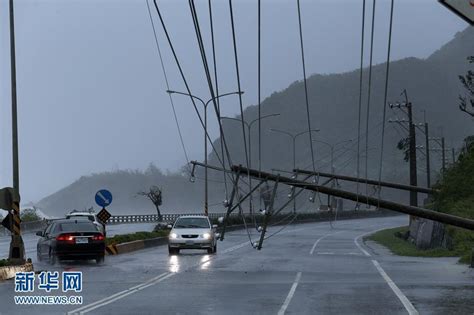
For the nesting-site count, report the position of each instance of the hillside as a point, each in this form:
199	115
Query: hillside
432	86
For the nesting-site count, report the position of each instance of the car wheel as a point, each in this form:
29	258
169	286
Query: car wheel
38	255
52	258
100	259
173	251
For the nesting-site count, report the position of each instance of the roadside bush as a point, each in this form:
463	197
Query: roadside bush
124	238
29	215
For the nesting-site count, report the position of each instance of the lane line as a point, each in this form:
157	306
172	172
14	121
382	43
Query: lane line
107	300
139	288
290	294
78	310
320	239
402	297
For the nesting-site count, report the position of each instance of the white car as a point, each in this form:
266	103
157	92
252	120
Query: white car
192	232
86	216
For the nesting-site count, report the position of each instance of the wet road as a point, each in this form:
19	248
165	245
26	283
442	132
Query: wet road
304	269
30	239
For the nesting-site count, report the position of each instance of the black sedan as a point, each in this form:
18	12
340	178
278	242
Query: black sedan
71	240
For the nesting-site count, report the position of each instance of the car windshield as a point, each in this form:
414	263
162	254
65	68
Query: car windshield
76	227
189	223
84	217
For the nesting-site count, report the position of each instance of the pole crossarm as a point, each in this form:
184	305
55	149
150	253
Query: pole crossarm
385	204
369	181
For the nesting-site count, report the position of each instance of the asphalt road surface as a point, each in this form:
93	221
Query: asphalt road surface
304	269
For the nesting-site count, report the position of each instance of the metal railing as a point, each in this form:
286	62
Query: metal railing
143	218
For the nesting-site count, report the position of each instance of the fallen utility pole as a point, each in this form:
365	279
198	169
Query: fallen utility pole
389	205
369	181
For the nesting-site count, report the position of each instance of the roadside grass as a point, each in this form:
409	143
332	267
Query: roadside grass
401	247
4	262
124	238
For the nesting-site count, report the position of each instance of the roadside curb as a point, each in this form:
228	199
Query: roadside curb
132	246
8	272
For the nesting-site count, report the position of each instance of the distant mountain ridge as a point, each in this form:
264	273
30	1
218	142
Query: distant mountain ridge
432	86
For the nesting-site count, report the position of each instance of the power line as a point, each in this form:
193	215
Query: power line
360	94
209	81
238	80
217	90
368	99
305	86
387	71
167	85
184	79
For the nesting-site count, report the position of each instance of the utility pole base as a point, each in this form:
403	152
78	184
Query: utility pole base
17	250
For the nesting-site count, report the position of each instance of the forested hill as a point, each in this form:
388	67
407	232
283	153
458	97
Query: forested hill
432	86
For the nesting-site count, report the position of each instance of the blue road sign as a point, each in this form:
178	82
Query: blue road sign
103	198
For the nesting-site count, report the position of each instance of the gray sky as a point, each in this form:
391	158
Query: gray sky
91	93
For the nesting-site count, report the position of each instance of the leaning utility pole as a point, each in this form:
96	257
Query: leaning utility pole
17	248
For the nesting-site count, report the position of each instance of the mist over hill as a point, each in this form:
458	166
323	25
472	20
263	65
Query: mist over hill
432	87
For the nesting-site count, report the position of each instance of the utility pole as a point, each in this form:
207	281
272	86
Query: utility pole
17	248
443	152
427	147
412	147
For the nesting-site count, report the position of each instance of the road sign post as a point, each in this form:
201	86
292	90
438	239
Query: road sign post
10	200
103	198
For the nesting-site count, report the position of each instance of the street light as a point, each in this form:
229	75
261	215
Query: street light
249	128
206	192
332	146
293	138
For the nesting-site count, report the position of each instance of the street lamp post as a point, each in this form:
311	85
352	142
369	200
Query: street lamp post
249	128
206	185
293	137
332	146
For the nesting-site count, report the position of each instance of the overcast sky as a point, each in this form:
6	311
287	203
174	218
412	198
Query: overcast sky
91	92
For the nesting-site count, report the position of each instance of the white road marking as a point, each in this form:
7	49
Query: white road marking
406	303
338	254
290	294
135	290
78	310
319	240
117	296
356	240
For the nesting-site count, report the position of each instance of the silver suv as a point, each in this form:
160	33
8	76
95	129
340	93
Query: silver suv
192	232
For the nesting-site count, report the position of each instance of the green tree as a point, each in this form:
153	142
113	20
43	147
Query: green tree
28	215
466	103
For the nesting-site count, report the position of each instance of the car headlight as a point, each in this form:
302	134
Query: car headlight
173	235
206	236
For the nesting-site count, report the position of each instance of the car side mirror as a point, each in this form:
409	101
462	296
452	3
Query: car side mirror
169	226
214	226
39	233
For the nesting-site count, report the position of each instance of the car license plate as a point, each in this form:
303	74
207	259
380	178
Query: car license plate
82	240
189	242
